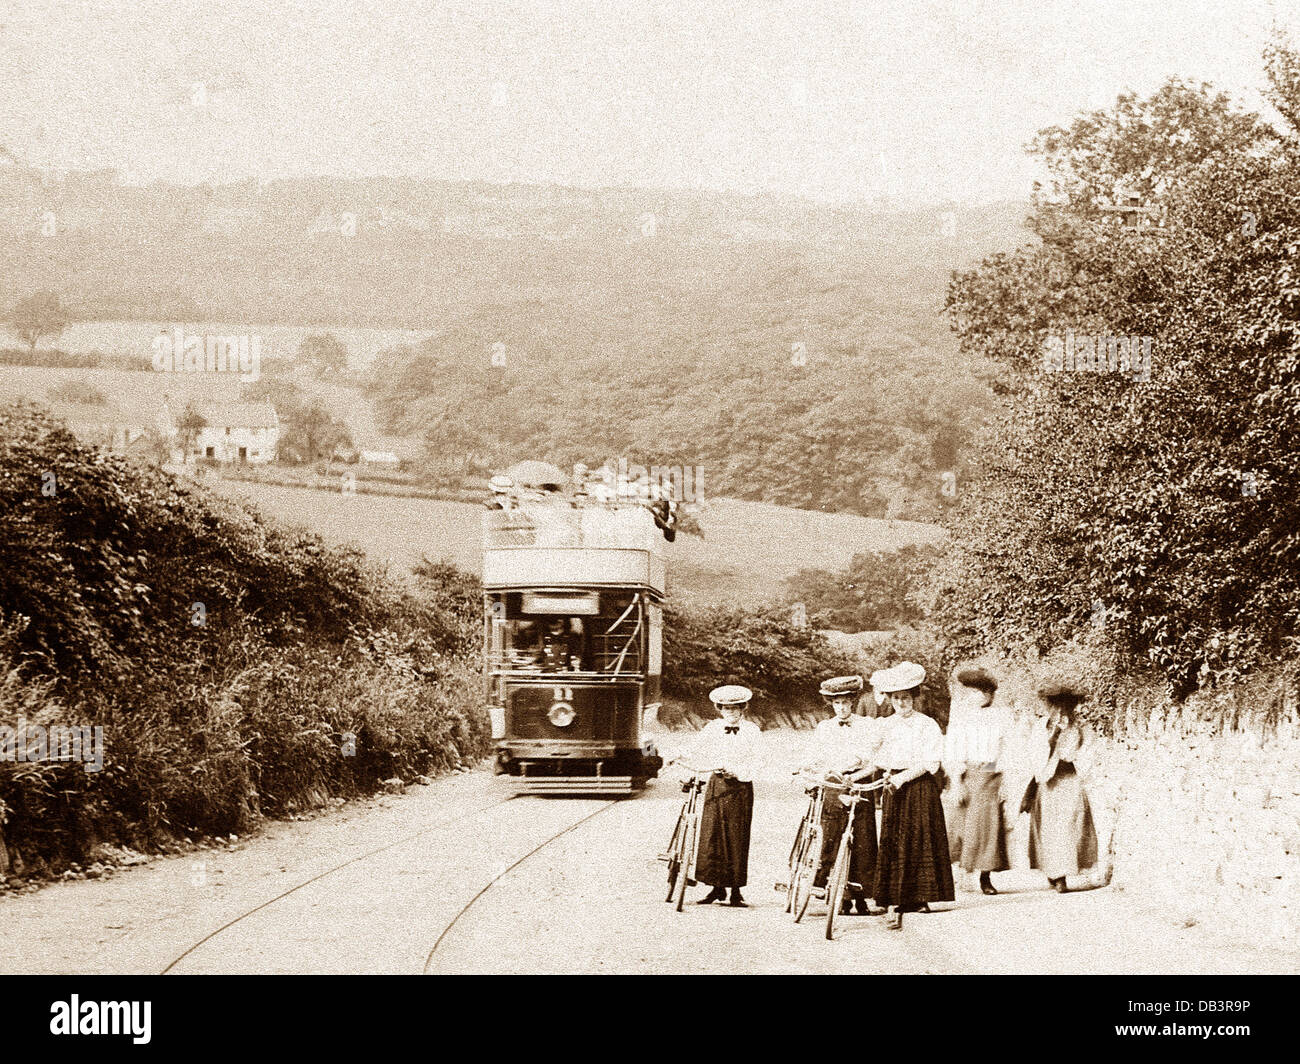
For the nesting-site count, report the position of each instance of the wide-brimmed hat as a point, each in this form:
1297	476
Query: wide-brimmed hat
1060	694
839	686
731	694
904	676
978	678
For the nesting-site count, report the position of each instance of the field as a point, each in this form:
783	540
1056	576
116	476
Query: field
748	550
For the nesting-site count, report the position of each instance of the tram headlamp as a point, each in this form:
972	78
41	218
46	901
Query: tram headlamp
561	714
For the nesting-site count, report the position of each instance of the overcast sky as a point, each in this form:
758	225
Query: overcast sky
834	100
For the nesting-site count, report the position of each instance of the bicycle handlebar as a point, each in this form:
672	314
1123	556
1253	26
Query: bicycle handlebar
694	770
848	785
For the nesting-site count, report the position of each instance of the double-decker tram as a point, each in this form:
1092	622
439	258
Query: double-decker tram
573	597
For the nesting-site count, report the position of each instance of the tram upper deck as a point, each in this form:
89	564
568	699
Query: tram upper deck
553	544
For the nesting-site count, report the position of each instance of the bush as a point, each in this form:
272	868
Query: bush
309	676
873	593
783	665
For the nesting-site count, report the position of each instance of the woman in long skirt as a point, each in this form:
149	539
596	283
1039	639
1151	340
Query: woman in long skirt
972	750
1062	835
844	747
729	747
912	864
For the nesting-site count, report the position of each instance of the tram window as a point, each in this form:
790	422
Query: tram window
546	643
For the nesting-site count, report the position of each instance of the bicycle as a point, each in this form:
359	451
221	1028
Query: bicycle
806	851
839	877
684	844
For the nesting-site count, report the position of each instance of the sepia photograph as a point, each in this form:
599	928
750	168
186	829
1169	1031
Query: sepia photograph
650	487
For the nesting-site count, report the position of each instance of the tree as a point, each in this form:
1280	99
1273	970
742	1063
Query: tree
325	351
188	426
312	431
1159	513
40	314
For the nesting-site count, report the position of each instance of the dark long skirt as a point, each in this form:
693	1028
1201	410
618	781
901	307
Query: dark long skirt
862	857
978	836
913	864
725	821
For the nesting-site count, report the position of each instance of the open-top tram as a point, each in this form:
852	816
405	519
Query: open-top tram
573	622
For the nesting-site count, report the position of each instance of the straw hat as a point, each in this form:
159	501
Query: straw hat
905	676
731	694
838	686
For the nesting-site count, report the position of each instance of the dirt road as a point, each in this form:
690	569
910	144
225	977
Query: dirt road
455	878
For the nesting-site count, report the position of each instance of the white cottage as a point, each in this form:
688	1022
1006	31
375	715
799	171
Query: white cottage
238	432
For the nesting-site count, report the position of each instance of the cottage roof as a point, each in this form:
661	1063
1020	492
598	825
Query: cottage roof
238	415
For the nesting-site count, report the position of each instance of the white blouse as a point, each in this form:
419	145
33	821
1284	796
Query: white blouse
734	752
909	742
836	746
976	736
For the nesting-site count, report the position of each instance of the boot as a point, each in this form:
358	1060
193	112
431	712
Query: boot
737	900
986	883
716	894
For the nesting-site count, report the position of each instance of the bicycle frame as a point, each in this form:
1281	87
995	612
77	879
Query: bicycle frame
838	879
805	855
683	847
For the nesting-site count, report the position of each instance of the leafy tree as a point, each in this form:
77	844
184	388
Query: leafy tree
325	351
308	429
312	432
780	663
1162	512
40	314
188	426
873	593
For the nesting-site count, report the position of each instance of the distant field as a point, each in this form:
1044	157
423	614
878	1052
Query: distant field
748	550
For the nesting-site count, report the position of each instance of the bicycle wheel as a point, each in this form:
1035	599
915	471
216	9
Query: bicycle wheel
688	860
674	857
839	879
796	858
807	872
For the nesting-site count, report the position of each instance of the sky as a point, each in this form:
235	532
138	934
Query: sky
830	100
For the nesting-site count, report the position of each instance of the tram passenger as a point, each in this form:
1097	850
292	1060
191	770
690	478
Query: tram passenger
912	867
556	649
972	752
729	746
844	746
500	497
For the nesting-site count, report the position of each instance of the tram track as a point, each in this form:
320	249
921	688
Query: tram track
506	871
430	829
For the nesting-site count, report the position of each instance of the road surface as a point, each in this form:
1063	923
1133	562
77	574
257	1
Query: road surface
454	877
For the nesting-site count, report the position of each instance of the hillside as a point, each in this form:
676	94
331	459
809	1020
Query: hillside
749	549
795	352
